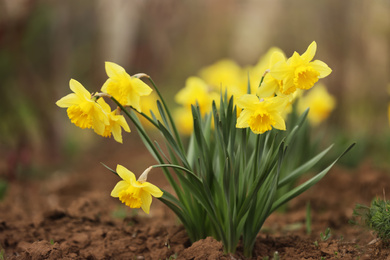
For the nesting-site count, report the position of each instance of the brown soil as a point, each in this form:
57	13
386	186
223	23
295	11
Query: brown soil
72	216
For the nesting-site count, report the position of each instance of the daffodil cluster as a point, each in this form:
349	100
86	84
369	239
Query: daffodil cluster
229	176
88	110
265	107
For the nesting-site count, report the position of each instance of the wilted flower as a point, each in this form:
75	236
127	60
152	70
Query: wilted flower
83	110
261	115
135	193
124	88
320	102
299	71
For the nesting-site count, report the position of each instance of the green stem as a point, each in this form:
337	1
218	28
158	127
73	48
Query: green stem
178	139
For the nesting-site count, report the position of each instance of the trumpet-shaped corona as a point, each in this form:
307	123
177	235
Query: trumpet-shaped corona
135	193
83	110
261	115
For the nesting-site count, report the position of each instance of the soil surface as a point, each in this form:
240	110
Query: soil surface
72	216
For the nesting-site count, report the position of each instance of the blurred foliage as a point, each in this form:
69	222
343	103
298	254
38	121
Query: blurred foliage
45	43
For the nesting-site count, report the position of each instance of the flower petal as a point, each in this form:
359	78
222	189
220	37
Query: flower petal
113	70
308	55
121	185
68	100
281	70
125	174
79	89
152	189
268	88
248	101
146	201
279	122
321	67
140	87
242	120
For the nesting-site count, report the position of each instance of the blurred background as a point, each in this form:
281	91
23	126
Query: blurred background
43	44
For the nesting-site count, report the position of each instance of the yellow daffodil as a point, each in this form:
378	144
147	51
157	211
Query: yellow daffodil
149	103
225	75
116	122
261	115
299	71
135	193
124	88
83	110
257	71
270	85
184	120
320	102
196	91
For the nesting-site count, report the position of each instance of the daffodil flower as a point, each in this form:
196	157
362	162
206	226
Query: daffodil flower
225	75
197	92
320	102
270	85
135	193
125	89
299	71
261	115
83	110
116	122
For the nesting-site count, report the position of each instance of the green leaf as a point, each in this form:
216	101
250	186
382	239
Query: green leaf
303	168
303	187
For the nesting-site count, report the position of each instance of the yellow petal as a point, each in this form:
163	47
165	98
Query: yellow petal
248	101
268	87
113	70
281	70
125	174
68	100
242	120
276	57
152	189
279	122
121	185
79	89
146	201
117	132
123	123
310	52
321	67
140	87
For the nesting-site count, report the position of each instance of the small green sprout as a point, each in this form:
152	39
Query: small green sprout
276	256
51	241
325	236
376	217
315	243
308	218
